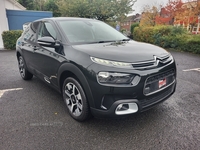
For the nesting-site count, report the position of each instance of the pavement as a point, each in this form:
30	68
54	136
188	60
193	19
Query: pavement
34	117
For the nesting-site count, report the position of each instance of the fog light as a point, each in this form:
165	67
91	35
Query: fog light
126	108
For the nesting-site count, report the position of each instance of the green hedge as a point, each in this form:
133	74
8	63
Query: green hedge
144	34
191	43
168	37
10	38
153	34
133	26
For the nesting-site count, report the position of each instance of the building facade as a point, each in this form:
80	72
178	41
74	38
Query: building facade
13	15
7	5
190	17
126	24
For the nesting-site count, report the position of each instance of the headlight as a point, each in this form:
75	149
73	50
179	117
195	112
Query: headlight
111	63
117	78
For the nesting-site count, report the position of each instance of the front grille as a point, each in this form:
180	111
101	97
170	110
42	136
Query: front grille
156	62
152	83
156	98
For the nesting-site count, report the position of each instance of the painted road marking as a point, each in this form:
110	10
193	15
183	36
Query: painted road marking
7	90
194	69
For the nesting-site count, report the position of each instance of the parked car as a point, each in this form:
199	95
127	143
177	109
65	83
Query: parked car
98	70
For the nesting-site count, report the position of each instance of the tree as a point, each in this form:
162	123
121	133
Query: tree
39	4
149	15
133	26
50	5
28	4
168	13
159	14
33	4
98	9
189	15
174	7
42	5
75	8
193	12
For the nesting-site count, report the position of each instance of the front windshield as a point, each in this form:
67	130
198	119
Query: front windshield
89	31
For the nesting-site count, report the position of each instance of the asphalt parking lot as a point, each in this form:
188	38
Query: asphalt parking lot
33	116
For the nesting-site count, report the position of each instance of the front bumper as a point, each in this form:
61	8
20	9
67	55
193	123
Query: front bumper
146	94
142	104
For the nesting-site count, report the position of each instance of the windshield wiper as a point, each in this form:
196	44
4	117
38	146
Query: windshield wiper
113	41
125	40
104	41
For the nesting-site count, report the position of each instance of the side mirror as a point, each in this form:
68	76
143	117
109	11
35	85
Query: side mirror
47	41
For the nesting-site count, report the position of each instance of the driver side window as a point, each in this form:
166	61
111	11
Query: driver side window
46	29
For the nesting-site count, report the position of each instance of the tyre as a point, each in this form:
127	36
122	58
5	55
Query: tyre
75	99
25	74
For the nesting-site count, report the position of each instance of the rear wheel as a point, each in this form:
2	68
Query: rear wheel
25	74
75	99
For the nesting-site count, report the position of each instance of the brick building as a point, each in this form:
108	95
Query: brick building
126	24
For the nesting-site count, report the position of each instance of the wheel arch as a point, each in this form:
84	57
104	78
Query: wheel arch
70	70
18	54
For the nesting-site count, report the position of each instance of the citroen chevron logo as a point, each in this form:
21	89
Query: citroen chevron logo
156	60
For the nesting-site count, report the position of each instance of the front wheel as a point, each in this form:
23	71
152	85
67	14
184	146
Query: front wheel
75	99
25	74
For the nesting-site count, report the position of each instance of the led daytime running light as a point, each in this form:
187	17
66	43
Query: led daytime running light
111	63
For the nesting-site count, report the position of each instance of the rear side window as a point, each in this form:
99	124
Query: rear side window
35	26
30	32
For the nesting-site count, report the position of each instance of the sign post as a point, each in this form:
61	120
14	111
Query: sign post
118	27
198	25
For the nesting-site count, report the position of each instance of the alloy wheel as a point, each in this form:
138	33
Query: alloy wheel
73	99
21	67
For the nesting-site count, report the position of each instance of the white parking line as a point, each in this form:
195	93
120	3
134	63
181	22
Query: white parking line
7	90
194	69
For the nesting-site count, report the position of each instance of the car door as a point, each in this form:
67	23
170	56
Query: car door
49	58
28	44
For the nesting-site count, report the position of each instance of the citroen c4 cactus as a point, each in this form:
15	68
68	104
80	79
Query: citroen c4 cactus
98	70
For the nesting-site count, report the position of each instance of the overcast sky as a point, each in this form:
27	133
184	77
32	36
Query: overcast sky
140	3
